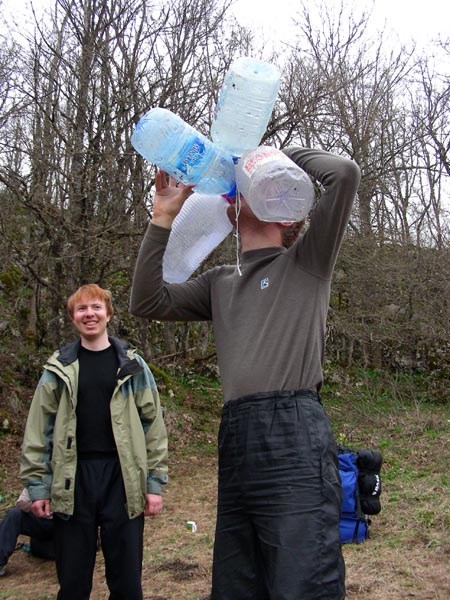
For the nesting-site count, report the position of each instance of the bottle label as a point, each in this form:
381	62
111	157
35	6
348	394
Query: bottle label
259	158
191	155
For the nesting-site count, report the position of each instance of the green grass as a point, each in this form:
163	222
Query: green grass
395	415
392	413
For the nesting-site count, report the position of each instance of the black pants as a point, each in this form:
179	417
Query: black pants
279	497
17	522
100	502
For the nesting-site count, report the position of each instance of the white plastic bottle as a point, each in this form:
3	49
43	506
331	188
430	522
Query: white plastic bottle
164	139
245	104
275	188
200	226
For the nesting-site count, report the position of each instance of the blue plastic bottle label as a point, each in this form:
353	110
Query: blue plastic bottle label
191	156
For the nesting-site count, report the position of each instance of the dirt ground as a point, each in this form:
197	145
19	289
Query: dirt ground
177	562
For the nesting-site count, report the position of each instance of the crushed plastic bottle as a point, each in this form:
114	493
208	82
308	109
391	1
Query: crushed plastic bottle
200	226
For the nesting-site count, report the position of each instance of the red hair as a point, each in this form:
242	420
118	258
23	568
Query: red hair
90	291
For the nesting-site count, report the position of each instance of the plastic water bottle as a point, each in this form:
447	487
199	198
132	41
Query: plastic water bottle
164	139
245	104
200	226
275	188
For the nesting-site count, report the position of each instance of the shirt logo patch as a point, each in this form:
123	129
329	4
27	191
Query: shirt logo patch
264	283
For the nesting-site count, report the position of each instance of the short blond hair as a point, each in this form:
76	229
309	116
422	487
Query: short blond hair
91	291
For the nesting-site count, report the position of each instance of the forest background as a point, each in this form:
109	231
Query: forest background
76	198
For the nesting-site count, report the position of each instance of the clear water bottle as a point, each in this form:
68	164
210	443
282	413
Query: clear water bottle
200	226
275	188
164	139
245	104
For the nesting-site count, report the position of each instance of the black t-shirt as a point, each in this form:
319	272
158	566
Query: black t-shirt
96	383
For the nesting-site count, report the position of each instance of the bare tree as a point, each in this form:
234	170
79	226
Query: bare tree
349	94
87	79
431	110
76	197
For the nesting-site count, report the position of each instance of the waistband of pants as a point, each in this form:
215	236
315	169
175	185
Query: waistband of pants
275	396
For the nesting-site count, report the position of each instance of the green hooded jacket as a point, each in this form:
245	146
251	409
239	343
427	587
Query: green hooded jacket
49	453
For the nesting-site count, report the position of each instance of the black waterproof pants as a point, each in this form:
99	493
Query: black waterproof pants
18	522
100	502
279	498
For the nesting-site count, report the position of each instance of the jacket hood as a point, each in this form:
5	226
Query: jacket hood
128	364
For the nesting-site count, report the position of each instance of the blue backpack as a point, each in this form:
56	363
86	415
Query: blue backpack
361	489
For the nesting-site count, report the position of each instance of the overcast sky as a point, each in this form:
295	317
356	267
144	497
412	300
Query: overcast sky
420	20
409	19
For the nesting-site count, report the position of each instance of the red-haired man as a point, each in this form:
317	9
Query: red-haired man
95	452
